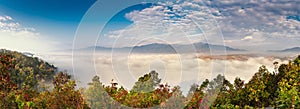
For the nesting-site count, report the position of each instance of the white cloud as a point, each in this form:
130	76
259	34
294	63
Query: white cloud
247	38
175	69
172	68
168	22
267	16
16	37
5	18
266	22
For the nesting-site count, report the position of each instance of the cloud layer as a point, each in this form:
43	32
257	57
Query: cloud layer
244	24
182	70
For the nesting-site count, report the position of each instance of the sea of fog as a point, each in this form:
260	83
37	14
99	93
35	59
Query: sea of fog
174	69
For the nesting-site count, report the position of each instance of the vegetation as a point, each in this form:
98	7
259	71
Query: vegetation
30	83
21	76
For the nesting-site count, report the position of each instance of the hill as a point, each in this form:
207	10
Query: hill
26	67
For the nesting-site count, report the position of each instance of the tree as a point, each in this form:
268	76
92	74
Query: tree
138	97
259	95
177	100
224	97
64	94
146	93
96	96
289	85
25	66
8	89
196	94
239	93
147	83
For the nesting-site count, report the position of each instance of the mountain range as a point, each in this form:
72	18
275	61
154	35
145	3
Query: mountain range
294	49
167	48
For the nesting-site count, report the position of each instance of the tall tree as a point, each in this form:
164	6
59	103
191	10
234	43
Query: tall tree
257	86
96	95
289	85
176	100
64	95
147	83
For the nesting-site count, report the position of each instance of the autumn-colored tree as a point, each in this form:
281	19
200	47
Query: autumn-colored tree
177	100
7	87
29	70
64	95
196	94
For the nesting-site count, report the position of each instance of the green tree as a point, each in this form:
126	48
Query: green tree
259	95
239	93
289	85
96	96
224	97
147	83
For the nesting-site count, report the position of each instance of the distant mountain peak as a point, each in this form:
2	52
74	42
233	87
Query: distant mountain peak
293	49
170	48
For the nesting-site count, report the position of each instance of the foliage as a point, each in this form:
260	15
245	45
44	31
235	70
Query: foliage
96	95
264	89
22	78
64	95
289	86
8	89
28	71
145	93
147	83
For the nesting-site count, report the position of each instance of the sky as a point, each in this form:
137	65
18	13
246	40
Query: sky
47	15
46	25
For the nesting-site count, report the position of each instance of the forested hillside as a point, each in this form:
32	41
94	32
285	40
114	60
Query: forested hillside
30	83
28	70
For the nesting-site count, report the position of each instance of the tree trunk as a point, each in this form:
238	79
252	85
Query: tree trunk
293	102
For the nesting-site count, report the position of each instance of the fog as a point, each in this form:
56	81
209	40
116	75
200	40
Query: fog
174	69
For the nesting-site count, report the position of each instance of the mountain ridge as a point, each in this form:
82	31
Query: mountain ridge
167	48
293	49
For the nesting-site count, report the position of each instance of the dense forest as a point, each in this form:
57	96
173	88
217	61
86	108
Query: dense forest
31	83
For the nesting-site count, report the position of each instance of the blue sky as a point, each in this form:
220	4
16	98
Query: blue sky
119	21
244	25
58	20
58	15
47	16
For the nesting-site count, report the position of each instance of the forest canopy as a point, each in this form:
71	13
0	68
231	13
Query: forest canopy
29	82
